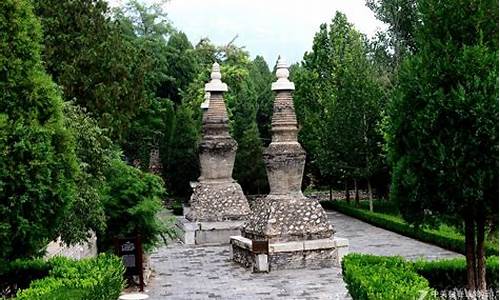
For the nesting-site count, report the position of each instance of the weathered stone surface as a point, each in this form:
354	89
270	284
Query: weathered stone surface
78	251
217	196
204	233
218	201
287	218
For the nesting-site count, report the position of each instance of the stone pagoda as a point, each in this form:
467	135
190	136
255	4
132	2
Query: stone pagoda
218	206
286	230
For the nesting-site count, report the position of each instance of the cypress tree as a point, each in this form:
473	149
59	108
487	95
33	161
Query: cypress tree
37	159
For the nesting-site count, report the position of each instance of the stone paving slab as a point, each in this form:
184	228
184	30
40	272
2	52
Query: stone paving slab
187	272
369	239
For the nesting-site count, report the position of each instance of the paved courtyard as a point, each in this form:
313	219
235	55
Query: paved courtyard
184	272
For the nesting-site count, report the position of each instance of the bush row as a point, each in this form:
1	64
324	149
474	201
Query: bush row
398	225
18	274
99	278
451	273
376	277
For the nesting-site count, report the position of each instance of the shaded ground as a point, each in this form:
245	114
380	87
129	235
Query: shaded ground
183	272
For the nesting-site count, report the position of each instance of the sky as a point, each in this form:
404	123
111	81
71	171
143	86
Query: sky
264	27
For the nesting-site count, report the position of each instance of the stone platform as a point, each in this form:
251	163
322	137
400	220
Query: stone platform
207	233
321	253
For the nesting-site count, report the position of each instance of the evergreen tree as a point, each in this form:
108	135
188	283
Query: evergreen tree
91	58
262	78
443	124
37	161
180	155
339	103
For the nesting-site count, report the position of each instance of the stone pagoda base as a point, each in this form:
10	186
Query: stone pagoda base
207	233
214	201
217	212
318	253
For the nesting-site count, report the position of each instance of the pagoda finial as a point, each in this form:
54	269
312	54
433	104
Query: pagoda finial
215	84
282	84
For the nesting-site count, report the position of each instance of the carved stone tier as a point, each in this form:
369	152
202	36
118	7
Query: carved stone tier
217	202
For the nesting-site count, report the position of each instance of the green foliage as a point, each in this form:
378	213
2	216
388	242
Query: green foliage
402	18
37	159
374	277
90	57
180	155
99	278
19	273
448	274
251	172
443	237
132	199
95	152
442	131
172	68
378	277
177	208
339	103
262	78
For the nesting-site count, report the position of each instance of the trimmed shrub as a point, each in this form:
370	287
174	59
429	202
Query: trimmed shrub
452	273
398	225
19	273
373	277
99	278
381	277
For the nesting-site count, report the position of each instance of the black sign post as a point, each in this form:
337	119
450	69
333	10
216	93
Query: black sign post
130	250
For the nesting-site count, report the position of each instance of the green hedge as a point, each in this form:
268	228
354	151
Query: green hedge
452	273
398	225
372	277
99	278
19	273
379	277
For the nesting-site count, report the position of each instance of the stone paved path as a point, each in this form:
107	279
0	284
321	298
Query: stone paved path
183	272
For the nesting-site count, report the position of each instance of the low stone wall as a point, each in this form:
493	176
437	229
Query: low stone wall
79	251
339	195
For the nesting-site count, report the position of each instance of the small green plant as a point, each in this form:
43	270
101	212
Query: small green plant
99	278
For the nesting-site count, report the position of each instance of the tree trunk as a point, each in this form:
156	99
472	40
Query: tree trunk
331	193
370	193
356	192
480	257
347	194
470	254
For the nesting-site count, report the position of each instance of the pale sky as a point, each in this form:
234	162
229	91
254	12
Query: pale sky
265	27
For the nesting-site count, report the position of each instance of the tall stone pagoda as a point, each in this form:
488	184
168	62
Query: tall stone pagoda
286	230
218	206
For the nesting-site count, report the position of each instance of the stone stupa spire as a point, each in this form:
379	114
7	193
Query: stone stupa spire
217	196
296	229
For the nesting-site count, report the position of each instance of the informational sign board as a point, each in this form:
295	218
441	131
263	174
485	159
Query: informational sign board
130	250
260	246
